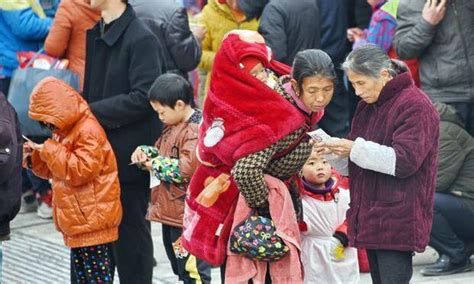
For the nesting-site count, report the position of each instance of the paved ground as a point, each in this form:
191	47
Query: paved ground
36	254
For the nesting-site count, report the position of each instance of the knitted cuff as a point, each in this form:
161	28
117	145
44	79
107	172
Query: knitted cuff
342	238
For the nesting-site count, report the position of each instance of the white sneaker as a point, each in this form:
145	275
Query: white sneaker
45	211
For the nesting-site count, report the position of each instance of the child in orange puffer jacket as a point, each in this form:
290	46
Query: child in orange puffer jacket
81	164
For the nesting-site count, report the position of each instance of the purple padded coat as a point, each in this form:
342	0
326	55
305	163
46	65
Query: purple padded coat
395	212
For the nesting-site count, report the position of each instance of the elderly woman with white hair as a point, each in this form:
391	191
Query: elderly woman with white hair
392	154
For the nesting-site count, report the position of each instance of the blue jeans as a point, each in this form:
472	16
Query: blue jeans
452	226
32	182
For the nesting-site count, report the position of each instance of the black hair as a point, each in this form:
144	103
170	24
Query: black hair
312	62
169	88
46	125
252	9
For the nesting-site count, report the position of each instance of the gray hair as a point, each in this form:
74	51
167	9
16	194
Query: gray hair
370	60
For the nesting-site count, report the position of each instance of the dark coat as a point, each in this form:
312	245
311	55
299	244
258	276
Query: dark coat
456	157
334	28
121	66
395	212
169	22
10	165
289	27
445	52
358	13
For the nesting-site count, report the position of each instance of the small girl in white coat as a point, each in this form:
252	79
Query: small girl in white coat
325	255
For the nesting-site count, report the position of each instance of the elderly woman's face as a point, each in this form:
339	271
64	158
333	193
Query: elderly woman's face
316	92
367	88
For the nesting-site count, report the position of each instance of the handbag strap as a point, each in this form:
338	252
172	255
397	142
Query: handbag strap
30	62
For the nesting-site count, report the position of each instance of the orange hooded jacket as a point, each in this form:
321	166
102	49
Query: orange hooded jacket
67	37
81	164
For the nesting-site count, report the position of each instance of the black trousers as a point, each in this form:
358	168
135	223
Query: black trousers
390	266
37	185
452	226
5	85
466	112
188	268
133	251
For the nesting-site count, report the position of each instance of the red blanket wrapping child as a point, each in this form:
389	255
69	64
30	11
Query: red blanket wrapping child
241	116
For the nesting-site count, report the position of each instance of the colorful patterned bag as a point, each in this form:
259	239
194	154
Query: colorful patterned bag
256	239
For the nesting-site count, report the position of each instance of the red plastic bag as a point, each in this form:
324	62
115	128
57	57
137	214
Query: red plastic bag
40	61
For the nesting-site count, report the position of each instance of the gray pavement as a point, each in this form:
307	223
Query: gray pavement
36	254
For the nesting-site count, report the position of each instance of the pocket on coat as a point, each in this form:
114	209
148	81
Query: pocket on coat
70	220
167	206
78	210
388	196
386	204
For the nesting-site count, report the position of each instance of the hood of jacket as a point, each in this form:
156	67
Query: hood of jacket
448	113
55	102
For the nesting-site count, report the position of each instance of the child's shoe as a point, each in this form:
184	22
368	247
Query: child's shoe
29	203
45	210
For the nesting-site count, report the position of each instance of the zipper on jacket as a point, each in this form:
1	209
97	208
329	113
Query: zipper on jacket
464	45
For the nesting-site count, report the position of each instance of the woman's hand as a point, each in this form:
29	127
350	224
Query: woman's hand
341	147
354	33
434	11
138	156
199	31
319	147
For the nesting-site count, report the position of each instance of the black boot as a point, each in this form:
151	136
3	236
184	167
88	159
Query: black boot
4	237
444	266
469	248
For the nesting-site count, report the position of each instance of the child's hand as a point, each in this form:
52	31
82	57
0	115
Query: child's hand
337	250
27	150
138	156
33	146
147	165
